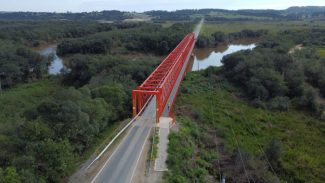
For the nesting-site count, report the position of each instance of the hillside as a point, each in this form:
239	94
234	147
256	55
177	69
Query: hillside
305	9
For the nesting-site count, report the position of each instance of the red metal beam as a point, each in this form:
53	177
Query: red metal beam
162	80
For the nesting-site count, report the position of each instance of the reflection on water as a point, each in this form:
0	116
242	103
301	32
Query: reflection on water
57	63
206	57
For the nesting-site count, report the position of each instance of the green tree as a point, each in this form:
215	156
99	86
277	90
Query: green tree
113	95
308	100
273	153
256	89
280	103
10	175
2	175
219	37
163	47
81	71
54	158
35	131
322	86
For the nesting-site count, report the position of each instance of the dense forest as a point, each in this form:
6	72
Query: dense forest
136	38
274	75
57	118
20	64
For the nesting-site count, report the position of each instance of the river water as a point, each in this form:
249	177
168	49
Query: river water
56	64
203	58
206	57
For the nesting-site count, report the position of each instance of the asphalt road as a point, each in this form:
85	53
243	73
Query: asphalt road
121	165
198	28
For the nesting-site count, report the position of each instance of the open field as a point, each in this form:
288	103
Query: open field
272	26
234	16
321	51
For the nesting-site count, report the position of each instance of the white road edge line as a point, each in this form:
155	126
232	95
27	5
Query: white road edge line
136	164
100	171
108	160
112	141
93	180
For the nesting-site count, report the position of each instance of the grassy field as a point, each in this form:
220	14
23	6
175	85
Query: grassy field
272	26
321	51
207	104
234	16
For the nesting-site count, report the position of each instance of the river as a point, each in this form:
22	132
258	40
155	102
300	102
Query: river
206	57
56	64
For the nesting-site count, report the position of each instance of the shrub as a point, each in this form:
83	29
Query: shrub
273	153
308	100
279	103
9	175
322	117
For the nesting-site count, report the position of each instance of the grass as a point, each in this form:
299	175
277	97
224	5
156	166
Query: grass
167	24
233	16
155	141
302	136
321	51
272	26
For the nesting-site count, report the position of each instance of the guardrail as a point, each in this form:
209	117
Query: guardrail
118	134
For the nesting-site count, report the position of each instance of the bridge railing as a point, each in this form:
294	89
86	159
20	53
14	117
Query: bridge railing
162	80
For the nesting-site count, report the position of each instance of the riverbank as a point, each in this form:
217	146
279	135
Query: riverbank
206	57
56	64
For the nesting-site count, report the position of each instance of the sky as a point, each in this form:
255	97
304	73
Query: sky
145	5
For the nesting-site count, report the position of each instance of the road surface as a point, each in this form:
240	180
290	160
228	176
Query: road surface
120	167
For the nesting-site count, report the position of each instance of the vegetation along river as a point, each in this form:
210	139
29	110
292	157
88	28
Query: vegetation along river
206	57
56	64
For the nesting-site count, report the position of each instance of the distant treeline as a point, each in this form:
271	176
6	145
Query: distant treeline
292	13
103	15
34	33
142	37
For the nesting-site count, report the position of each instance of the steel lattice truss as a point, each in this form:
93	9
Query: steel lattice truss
161	81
